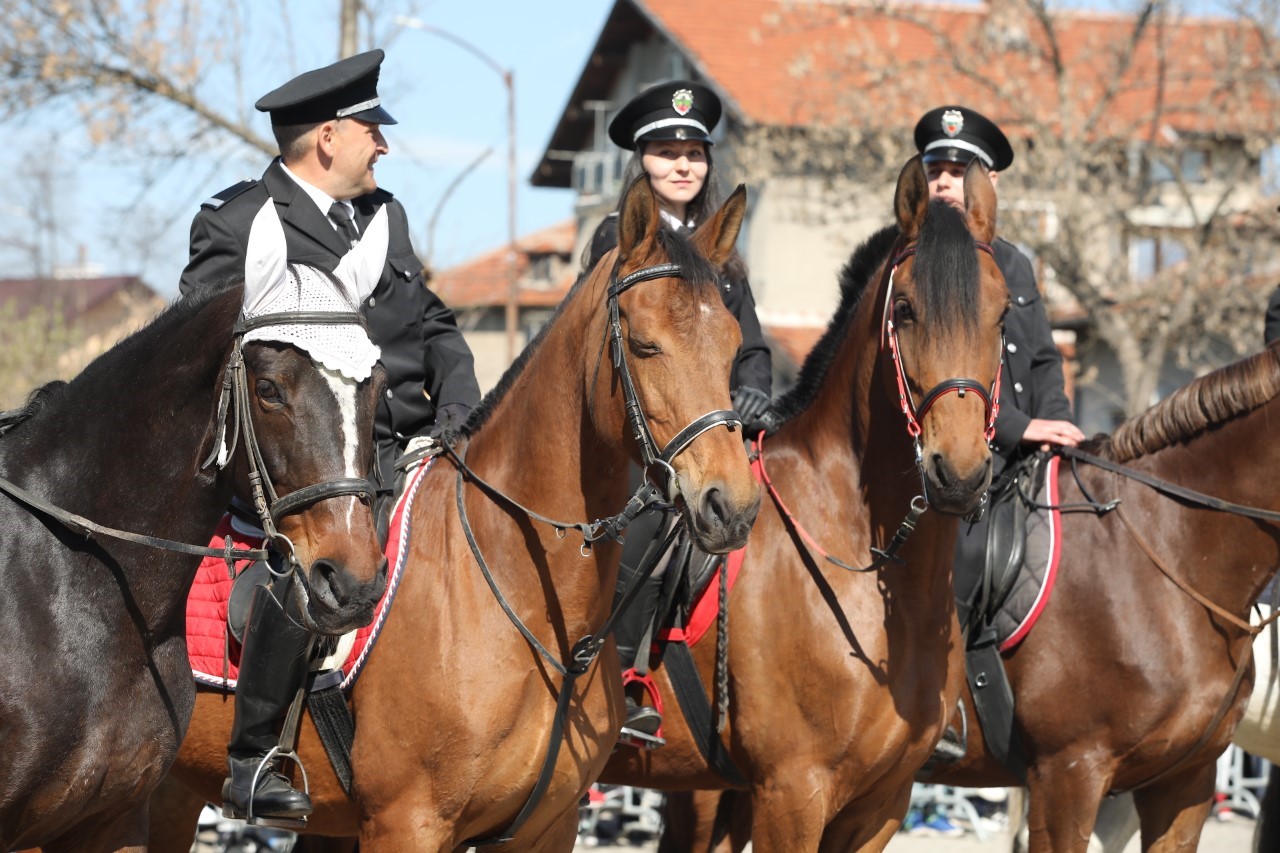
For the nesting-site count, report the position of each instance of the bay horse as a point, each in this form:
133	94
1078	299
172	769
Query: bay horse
839	681
1139	668
97	692
455	706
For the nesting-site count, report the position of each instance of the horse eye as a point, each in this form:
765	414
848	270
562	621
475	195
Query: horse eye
902	312
268	391
644	349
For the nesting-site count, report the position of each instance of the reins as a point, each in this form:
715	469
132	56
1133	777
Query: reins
269	506
1198	499
649	496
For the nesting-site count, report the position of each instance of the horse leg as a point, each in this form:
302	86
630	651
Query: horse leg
789	816
866	826
124	833
1172	812
1063	807
559	837
175	811
706	822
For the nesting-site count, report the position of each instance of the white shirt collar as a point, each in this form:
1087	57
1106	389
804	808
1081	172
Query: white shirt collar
671	220
323	200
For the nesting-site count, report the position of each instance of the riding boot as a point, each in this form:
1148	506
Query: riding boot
273	667
632	634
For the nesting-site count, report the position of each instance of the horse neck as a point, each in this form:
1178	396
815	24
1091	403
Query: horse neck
542	448
121	445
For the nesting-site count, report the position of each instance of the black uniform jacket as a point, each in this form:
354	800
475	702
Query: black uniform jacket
422	348
754	363
1031	384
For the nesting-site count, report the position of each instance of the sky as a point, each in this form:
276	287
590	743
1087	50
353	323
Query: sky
450	106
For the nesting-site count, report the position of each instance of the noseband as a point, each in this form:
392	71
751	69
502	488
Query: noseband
235	389
915	414
657	463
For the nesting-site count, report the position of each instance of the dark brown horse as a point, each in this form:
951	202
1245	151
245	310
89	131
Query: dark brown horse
454	710
840	681
1128	682
97	691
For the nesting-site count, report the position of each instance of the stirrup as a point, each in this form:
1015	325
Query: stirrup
291	823
639	740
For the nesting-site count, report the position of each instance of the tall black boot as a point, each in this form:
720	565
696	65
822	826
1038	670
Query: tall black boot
634	629
273	667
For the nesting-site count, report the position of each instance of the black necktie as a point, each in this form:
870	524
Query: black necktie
347	228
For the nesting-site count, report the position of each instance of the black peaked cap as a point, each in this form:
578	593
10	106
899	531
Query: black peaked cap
958	134
680	109
346	89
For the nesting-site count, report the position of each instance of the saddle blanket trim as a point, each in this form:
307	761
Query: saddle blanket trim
206	605
1049	498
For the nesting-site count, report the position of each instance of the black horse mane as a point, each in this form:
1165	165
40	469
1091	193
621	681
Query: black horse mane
944	265
1216	397
104	368
679	250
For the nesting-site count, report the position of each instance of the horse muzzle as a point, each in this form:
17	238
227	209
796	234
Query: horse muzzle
720	523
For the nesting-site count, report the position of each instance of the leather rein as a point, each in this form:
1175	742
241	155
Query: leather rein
660	483
270	506
1195	498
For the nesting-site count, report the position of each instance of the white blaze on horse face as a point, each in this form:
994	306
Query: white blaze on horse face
344	391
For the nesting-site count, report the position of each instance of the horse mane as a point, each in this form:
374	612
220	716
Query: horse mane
129	350
679	250
1216	397
854	279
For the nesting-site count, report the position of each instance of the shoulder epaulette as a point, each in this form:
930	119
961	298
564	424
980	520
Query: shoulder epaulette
217	200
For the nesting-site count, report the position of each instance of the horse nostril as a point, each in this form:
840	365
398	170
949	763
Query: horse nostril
940	470
714	508
326	578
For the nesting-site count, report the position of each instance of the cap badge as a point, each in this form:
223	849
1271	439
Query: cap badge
682	101
952	122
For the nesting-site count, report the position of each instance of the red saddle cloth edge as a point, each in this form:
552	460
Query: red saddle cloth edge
207	602
1055	552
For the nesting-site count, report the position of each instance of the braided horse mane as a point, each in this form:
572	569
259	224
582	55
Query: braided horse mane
1216	397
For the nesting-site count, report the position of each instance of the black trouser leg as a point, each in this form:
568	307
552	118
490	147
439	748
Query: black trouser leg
273	666
632	630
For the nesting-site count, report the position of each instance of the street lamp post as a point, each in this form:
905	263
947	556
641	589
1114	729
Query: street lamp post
508	81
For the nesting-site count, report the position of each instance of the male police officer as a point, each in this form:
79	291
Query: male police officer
327	125
1034	411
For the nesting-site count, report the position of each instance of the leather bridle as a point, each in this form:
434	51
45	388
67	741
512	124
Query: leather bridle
657	463
960	386
270	506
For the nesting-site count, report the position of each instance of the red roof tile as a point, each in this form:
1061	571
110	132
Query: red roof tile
485	281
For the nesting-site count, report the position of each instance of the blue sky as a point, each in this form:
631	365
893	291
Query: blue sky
450	105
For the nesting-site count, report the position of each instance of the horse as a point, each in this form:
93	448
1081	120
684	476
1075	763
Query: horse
456	708
839	682
157	434
1139	668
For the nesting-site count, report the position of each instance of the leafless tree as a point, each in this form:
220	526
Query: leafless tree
1140	136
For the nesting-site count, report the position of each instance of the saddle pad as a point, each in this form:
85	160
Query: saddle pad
207	637
703	613
1034	583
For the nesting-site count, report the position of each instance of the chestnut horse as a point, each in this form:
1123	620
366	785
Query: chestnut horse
454	710
97	691
1139	668
840	681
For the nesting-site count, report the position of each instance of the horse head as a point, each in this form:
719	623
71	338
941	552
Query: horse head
943	313
311	386
678	343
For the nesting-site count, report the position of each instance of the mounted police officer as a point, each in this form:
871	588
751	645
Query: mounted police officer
1034	410
327	123
668	127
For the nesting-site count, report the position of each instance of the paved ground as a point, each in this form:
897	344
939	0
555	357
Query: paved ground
1234	836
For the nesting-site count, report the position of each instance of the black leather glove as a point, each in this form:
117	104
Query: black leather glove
751	403
449	421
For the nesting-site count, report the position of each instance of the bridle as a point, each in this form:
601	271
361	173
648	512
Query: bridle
657	463
960	386
270	506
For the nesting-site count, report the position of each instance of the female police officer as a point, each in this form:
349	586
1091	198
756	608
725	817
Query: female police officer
669	129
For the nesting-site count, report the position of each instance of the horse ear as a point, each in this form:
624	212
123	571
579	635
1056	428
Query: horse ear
266	259
911	199
980	201
716	237
361	268
638	219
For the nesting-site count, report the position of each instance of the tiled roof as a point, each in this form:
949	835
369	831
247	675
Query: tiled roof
799	64
485	281
72	295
